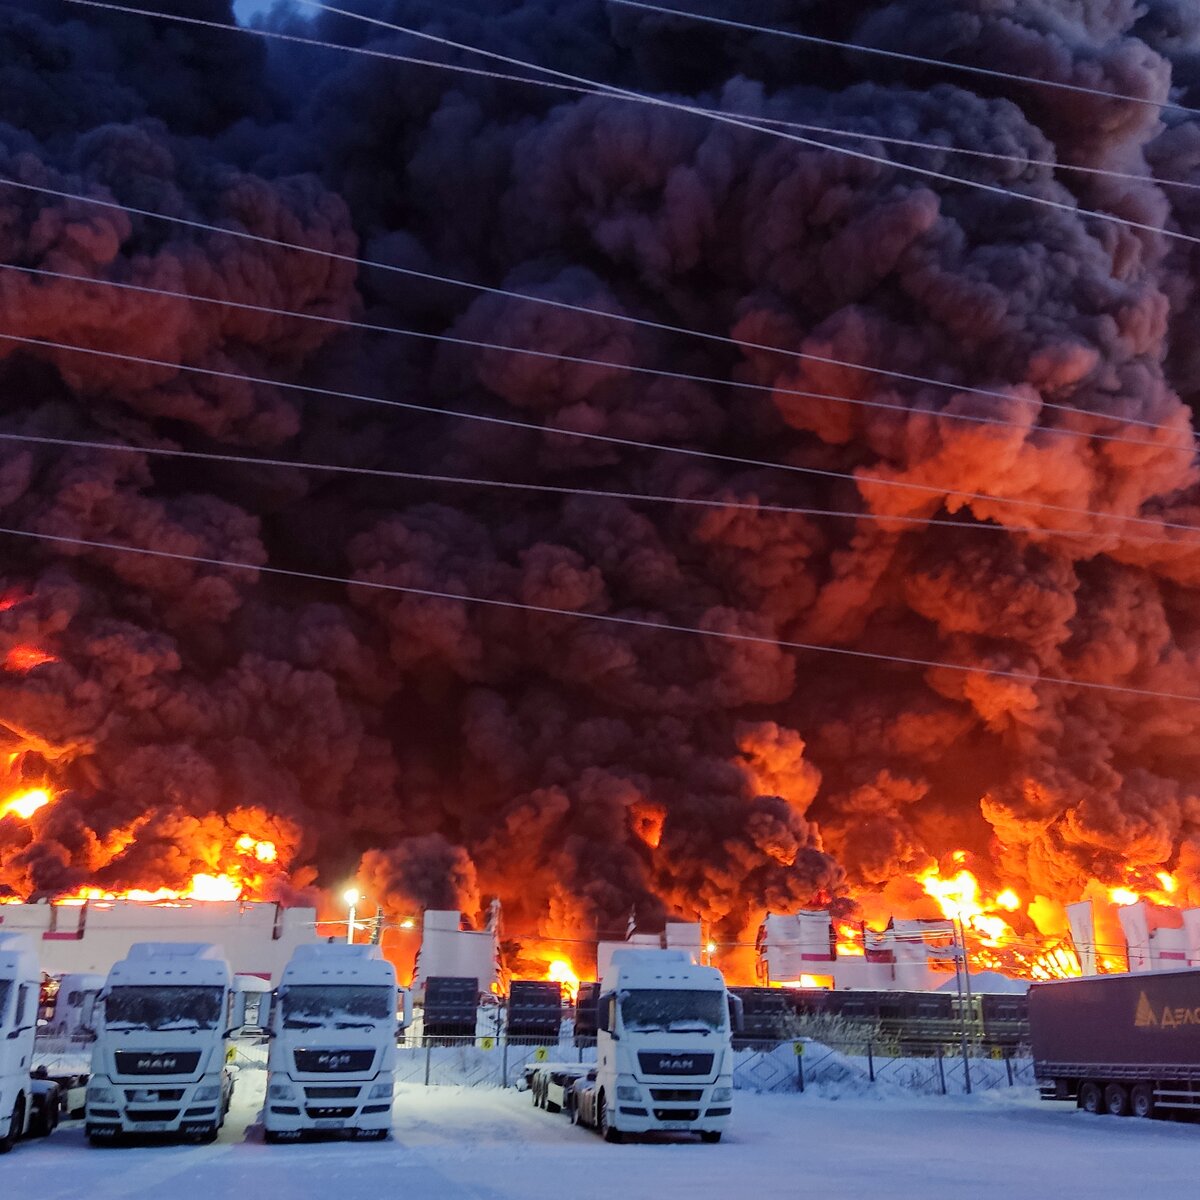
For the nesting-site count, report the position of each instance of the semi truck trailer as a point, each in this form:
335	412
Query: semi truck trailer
333	1026
1121	1044
28	1104
167	1014
664	1057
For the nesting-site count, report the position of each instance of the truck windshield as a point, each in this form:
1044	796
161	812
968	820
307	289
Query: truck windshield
673	1011
344	1006
163	1007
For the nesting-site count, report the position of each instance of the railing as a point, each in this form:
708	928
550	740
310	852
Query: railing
790	1066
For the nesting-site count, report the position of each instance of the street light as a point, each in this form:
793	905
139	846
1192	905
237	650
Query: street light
351	898
407	923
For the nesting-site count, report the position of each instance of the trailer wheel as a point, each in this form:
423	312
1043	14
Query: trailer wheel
16	1126
1116	1100
1091	1098
1142	1100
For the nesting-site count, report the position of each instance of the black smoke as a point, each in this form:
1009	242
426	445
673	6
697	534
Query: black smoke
579	769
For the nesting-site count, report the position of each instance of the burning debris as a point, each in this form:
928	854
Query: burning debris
178	727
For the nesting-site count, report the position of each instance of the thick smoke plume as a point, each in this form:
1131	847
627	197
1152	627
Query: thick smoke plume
579	770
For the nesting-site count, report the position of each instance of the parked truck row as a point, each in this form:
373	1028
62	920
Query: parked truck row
166	1018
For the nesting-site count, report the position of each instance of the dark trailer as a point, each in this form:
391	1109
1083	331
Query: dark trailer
1119	1043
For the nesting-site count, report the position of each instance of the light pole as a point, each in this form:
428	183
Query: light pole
351	898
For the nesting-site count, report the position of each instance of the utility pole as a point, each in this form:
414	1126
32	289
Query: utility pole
964	1001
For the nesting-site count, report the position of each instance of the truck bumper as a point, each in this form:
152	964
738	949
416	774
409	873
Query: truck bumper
298	1114
169	1109
634	1118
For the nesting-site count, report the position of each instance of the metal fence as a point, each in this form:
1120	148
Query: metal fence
791	1066
781	1067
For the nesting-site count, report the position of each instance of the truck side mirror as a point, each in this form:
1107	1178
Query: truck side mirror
404	1007
606	1015
737	1013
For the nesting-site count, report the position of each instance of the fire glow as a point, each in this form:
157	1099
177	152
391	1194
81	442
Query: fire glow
24	804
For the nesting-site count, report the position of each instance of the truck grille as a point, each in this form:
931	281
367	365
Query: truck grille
325	1114
151	1114
665	1062
156	1062
152	1095
676	1095
677	1114
320	1062
331	1093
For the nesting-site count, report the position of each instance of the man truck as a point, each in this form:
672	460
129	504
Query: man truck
28	1104
1121	1044
664	1057
332	1057
168	1012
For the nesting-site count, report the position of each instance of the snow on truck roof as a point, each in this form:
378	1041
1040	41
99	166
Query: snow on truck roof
328	962
171	963
659	969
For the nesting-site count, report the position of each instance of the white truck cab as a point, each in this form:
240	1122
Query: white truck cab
159	1062
28	1105
664	1057
333	1030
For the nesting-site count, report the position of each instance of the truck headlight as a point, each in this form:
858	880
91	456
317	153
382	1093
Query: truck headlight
722	1095
380	1091
208	1091
280	1091
101	1095
628	1093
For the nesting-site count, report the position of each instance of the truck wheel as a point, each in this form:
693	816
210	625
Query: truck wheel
550	1106
45	1120
608	1131
16	1126
1116	1100
1141	1100
710	1135
1091	1098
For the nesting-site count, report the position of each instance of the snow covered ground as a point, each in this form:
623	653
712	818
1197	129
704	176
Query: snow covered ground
456	1143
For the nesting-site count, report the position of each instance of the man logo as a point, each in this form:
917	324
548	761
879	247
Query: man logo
1144	1017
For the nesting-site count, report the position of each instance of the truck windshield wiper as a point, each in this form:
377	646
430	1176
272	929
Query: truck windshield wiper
674	1027
301	1023
354	1024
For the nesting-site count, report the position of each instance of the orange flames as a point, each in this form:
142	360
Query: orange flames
561	971
24	804
236	872
25	658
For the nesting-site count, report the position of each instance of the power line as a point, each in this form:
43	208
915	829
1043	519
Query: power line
860	48
749	124
604	618
655	372
643	98
579	90
624	318
609	439
555	489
